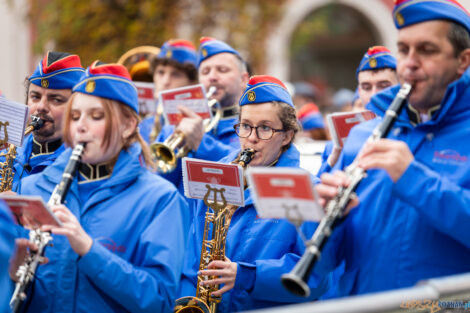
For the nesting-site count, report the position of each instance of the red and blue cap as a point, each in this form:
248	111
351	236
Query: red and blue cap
179	50
310	117
409	12
264	88
377	57
110	81
210	46
58	70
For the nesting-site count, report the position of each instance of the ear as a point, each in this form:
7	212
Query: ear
129	127
245	78
464	61
288	135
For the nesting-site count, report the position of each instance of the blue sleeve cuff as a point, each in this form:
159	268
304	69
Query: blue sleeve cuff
246	275
405	187
92	262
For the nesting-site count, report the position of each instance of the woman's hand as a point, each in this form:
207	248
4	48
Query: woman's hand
22	249
79	240
226	271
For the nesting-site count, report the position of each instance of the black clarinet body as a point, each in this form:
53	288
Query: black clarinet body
41	239
296	280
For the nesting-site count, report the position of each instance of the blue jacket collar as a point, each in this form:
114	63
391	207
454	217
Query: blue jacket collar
127	167
450	106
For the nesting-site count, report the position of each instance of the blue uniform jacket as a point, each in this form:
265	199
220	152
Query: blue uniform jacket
37	163
138	223
7	243
263	248
215	145
417	228
146	127
325	167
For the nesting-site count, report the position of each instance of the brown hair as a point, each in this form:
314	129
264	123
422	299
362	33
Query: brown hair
187	68
288	117
458	37
114	112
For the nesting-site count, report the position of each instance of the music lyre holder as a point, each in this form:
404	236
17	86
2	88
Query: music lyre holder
214	204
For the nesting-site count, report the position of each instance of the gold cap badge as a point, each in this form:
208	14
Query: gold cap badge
251	96
44	83
373	62
400	19
90	86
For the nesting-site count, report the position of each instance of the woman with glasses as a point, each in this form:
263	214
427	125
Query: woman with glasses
258	251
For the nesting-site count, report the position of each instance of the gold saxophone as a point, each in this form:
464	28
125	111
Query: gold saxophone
214	248
6	167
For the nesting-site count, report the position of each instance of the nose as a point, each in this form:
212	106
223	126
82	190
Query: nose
410	62
81	125
253	136
213	76
166	80
43	105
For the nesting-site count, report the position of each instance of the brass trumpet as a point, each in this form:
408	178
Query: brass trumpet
166	154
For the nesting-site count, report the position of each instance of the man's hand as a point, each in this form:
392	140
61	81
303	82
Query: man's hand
328	189
191	126
391	155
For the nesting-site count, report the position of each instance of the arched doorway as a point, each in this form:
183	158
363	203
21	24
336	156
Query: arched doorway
327	46
377	13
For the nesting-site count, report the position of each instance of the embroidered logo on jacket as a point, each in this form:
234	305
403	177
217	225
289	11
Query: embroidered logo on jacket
109	244
449	157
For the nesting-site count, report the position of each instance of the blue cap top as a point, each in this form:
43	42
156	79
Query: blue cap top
110	81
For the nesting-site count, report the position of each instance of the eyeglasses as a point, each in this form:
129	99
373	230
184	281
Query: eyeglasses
263	132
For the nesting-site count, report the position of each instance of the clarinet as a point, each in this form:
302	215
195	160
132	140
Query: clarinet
41	239
296	280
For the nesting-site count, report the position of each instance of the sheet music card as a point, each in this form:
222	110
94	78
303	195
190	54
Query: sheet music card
193	97
197	174
282	192
147	101
30	211
341	123
13	120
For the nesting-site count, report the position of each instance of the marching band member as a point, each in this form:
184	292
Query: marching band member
119	248
221	66
7	243
173	67
47	91
258	251
376	72
412	220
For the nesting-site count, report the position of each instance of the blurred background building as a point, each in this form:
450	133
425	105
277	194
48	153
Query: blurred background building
318	41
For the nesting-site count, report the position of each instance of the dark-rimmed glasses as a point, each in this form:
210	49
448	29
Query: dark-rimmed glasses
262	131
